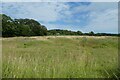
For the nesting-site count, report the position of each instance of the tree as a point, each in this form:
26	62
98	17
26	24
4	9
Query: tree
8	27
79	33
25	30
36	28
91	33
21	27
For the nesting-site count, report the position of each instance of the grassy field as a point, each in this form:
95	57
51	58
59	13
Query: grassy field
60	57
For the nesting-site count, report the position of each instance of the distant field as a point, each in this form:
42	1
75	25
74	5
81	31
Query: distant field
60	57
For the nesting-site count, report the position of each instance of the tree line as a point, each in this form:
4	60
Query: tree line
68	32
29	27
21	27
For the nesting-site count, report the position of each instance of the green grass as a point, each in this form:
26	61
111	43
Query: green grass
60	58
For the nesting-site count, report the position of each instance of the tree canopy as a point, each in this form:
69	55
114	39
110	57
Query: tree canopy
21	27
63	32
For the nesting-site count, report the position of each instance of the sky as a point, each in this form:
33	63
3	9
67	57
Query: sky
100	17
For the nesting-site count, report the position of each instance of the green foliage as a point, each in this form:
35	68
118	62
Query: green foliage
63	32
21	27
79	33
91	33
8	27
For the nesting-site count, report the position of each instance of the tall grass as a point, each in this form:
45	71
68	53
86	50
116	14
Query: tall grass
60	58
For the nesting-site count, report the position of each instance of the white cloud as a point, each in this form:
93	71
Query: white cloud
102	16
96	6
106	21
0	8
42	11
58	26
59	0
104	0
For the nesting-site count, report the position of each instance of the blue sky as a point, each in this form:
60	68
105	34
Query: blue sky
83	16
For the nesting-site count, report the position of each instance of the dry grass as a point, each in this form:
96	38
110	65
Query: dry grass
60	57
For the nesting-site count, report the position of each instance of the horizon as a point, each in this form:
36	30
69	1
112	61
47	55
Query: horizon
99	17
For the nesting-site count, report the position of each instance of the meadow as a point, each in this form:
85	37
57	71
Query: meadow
60	57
